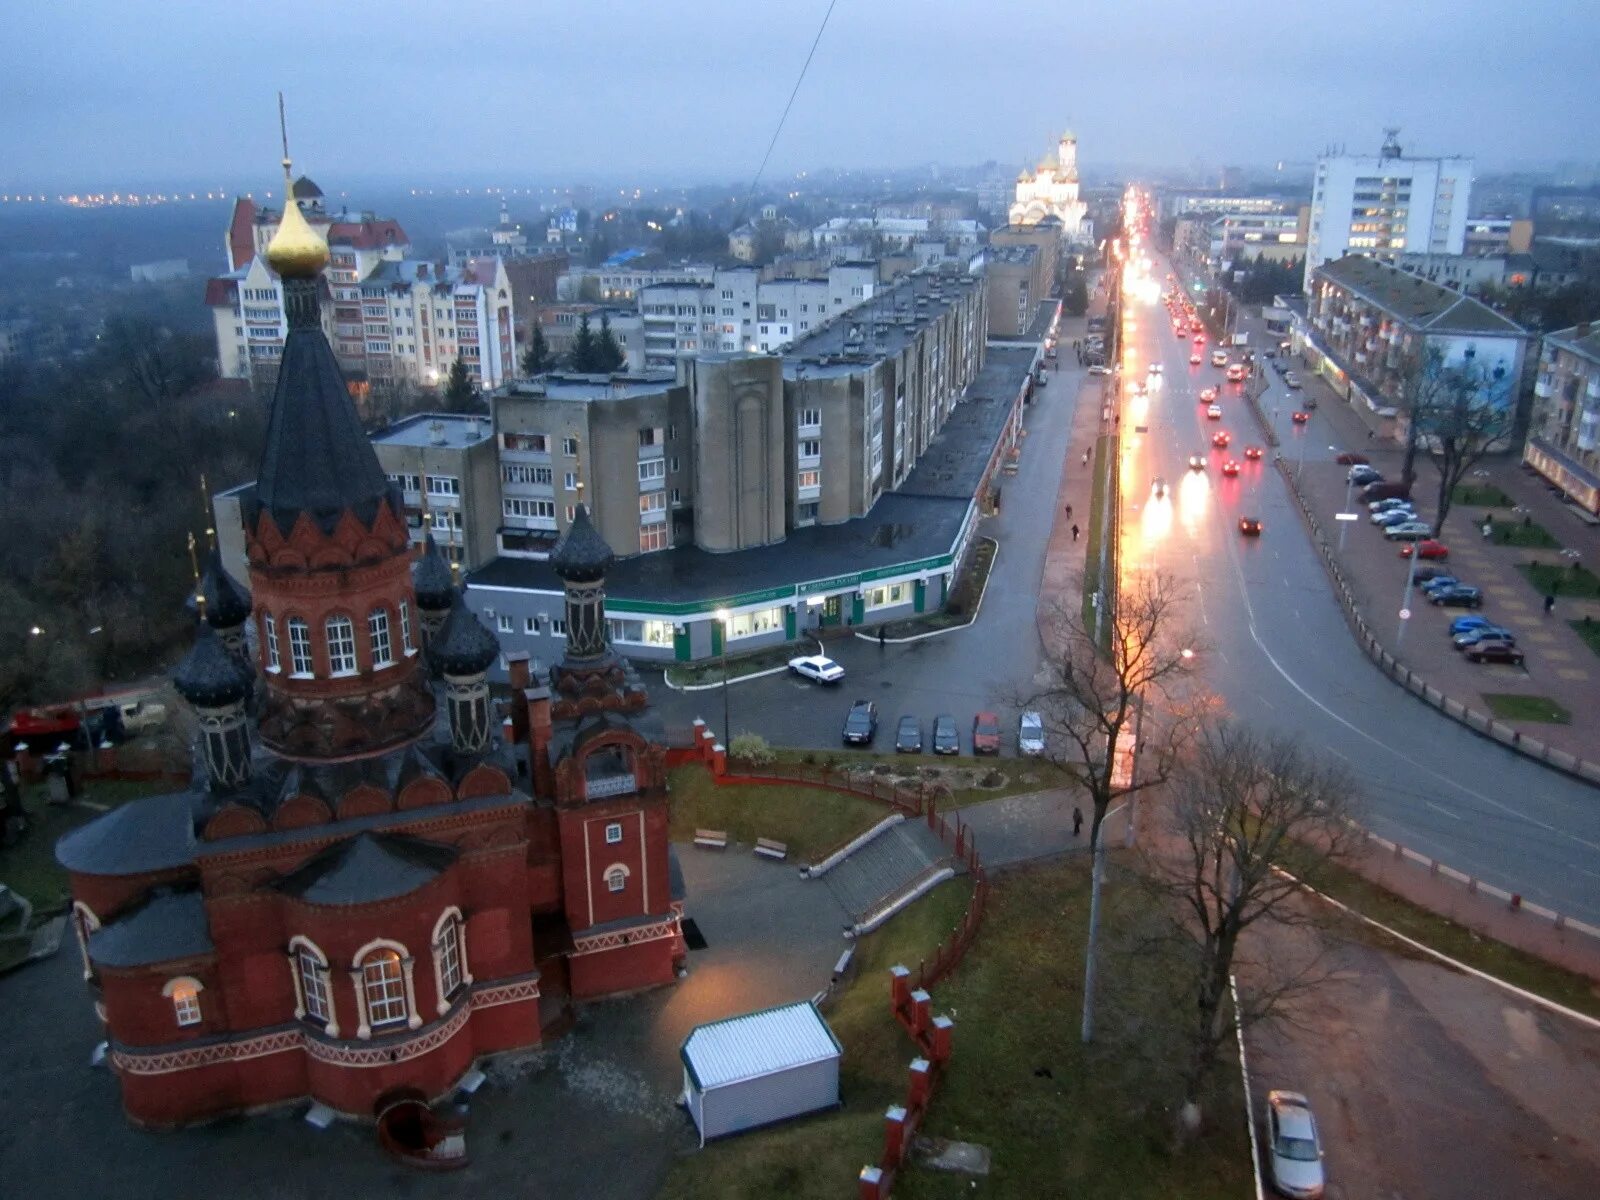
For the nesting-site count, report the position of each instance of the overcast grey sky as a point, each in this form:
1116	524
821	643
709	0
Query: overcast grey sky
115	93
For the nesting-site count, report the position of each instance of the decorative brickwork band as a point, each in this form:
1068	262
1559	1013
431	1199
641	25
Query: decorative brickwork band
616	939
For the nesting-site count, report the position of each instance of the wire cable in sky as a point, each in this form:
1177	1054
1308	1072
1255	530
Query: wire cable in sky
804	68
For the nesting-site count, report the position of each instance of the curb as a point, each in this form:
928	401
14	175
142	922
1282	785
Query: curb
1404	677
932	633
731	681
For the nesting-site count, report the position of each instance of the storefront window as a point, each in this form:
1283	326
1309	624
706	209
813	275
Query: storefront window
640	633
884	597
749	624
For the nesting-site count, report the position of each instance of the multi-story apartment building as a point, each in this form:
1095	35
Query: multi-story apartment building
625	274
1017	283
1184	204
1045	236
1384	204
1495	236
447	470
1368	326
389	318
893	233
1564	435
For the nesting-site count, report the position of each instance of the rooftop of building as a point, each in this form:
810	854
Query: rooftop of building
561	385
877	328
1582	340
1414	300
1017	255
954	462
898	529
450	430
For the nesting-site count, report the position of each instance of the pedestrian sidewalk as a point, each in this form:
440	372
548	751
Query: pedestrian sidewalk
1559	664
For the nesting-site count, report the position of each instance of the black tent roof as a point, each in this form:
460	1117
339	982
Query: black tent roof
581	554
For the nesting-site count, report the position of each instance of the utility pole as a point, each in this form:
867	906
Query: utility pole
1405	600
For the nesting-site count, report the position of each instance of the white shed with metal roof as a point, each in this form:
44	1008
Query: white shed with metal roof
759	1068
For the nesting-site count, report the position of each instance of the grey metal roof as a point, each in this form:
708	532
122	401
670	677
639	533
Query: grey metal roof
897	529
166	927
367	868
756	1044
151	834
317	458
1582	340
1413	299
210	675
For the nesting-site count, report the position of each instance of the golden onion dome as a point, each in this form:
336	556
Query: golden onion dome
296	251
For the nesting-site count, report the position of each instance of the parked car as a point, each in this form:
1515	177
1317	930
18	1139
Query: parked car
1462	624
1494	651
1385	491
946	738
1427	575
1294	1152
1362	474
1483	633
1099	369
861	724
1378	506
1427	548
1250	526
1409	531
1030	734
1292	382
986	733
1391	517
908	736
818	668
1459	596
1350	458
1437	581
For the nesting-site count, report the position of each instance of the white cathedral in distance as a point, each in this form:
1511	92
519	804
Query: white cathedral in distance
1052	191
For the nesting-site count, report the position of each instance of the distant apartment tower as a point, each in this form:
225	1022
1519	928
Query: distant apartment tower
1564	439
1387	204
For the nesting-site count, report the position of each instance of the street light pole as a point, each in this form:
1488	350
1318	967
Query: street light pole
722	627
1405	600
1349	486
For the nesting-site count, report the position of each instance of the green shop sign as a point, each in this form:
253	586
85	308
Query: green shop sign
621	606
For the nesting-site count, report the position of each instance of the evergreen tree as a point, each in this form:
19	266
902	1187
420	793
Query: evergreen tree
537	359
460	394
608	355
583	347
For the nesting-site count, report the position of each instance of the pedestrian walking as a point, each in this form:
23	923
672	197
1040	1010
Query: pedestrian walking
1549	604
1487	530
1077	820
1074	532
1069	517
1086	458
882	635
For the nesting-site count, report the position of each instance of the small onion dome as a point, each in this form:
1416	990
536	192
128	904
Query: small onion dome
209	676
430	577
296	251
227	604
581	555
463	645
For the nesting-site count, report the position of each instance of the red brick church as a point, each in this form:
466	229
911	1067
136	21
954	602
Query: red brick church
367	886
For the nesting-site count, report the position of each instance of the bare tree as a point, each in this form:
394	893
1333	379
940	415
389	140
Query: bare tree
1474	414
1090	702
1422	384
1241	807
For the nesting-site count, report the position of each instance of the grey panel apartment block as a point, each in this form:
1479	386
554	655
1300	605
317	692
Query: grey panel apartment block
740	440
446	467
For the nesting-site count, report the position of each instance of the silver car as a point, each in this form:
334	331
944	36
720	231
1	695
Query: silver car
1409	531
1393	516
1294	1152
1030	734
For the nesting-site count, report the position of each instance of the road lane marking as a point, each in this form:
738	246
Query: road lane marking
1255	636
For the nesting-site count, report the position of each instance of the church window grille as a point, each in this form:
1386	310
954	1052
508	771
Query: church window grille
384	981
378	634
299	647
341	646
452	967
269	625
313	984
185	996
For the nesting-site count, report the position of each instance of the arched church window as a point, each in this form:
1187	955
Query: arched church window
269	632
378	635
299	648
383	982
341	646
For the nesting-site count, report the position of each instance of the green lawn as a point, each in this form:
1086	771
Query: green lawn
1589	631
1561	580
1460	943
1510	706
811	821
1531	537
1484	495
1058	1119
29	868
1104	448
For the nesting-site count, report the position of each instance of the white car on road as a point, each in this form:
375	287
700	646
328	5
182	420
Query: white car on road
1294	1152
818	668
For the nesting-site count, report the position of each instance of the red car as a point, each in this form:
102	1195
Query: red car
1207	395
986	733
1300	418
1230	468
1351	459
1219	439
1253	453
1427	548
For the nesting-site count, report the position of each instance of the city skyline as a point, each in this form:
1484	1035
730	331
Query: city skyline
488	98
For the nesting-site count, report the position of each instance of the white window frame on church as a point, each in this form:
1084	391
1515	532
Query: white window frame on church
313	988
616	877
269	629
341	634
450	970
84	923
386	997
405	628
184	992
300	661
378	637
